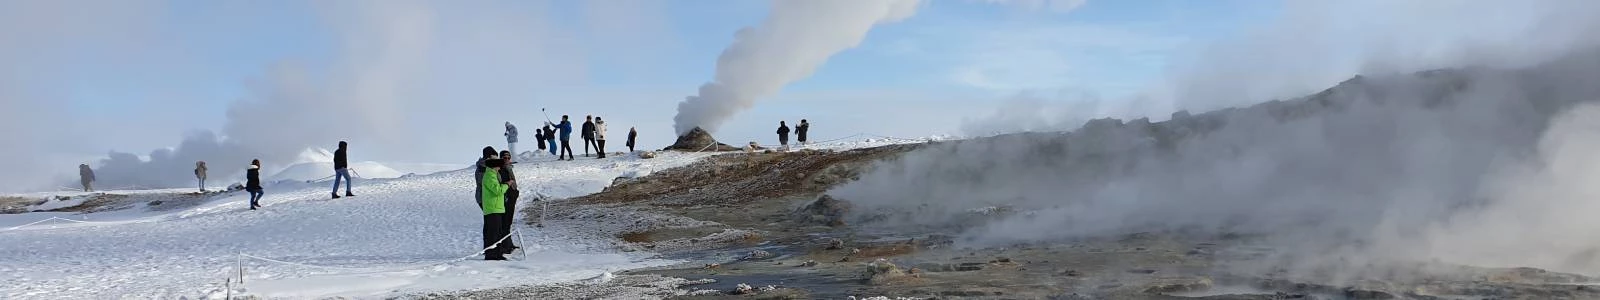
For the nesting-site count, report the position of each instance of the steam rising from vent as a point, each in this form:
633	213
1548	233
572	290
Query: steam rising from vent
1479	166
789	45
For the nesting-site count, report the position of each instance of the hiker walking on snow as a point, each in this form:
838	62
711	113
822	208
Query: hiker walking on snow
85	176
494	209
512	194
566	138
587	134
200	173
252	183
600	137
783	135
800	131
632	134
341	170
511	137
550	137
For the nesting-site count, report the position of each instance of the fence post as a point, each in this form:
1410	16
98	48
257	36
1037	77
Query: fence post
239	263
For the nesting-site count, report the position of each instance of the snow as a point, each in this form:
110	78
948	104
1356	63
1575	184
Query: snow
397	236
313	171
59	203
316	164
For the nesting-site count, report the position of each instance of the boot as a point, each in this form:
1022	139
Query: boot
336	195
348	194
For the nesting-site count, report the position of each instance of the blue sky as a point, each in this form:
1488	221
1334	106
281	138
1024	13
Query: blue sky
140	75
1109	47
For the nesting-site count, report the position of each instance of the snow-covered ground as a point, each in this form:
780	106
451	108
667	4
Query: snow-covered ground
396	236
404	235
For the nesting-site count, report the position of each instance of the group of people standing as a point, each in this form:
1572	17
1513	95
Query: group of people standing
496	193
799	132
593	134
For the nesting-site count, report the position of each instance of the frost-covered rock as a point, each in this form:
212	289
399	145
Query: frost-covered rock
758	254
743	289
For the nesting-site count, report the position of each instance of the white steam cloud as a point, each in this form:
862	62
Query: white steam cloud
1489	162
796	38
400	80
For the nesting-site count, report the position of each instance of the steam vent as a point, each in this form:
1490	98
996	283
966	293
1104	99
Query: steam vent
698	139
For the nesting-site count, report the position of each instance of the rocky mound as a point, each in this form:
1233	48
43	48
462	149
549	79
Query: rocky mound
699	140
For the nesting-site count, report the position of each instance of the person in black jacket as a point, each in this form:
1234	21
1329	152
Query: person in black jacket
632	134
86	177
587	134
341	170
252	183
508	176
783	135
477	175
800	131
538	135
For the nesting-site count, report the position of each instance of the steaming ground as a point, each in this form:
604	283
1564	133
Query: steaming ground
1476	166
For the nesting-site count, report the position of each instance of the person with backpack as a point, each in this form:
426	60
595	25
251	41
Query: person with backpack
587	134
509	176
341	170
200	173
783	135
511	138
632	134
494	209
600	137
252	183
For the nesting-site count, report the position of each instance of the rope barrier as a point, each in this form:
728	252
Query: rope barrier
386	269
31	224
47	220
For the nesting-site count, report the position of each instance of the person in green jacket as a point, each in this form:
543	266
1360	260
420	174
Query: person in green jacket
494	209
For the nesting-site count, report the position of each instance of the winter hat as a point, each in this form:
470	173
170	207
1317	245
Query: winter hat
494	161
489	151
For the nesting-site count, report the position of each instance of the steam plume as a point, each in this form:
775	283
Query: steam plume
797	37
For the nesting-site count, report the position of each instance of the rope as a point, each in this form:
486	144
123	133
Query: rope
47	220
31	224
389	269
706	147
895	138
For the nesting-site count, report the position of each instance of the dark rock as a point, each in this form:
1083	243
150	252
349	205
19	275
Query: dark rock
826	210
835	244
969	267
698	139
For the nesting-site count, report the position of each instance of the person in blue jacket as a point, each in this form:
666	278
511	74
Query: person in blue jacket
566	139
550	137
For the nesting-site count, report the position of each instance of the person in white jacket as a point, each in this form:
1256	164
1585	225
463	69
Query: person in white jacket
600	136
511	139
